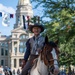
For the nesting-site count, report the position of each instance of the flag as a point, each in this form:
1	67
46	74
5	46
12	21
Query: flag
11	15
25	21
0	14
28	20
5	19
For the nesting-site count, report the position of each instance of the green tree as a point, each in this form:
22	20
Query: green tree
60	25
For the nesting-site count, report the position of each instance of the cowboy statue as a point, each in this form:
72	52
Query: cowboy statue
33	46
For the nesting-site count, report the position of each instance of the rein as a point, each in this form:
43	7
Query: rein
50	67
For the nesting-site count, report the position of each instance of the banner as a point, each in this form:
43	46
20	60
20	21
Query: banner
5	19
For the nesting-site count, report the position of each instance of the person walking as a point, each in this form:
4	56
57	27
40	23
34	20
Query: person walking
1	70
18	72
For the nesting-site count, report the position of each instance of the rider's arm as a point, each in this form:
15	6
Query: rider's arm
27	53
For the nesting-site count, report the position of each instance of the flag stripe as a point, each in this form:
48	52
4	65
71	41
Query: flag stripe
11	15
0	14
24	22
28	20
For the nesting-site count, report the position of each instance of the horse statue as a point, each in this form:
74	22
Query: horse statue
47	61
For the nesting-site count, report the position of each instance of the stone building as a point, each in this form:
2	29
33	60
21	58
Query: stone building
12	48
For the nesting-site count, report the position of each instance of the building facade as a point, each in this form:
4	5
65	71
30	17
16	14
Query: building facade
13	47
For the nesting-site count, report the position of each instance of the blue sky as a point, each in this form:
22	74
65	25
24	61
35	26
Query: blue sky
9	6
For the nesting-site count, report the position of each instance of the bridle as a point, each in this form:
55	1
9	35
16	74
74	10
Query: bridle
50	66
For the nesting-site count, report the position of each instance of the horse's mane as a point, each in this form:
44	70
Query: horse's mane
53	44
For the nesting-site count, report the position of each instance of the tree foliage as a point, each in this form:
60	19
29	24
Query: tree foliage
61	26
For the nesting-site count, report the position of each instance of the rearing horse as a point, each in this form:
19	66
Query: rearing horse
47	63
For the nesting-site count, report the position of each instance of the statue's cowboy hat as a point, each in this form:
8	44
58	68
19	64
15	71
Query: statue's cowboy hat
36	25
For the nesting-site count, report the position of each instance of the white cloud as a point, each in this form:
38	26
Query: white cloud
7	9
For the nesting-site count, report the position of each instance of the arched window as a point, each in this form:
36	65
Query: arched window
22	43
22	49
24	36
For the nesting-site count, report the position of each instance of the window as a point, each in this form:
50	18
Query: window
20	61
2	51
22	49
6	44
27	37
22	43
15	50
15	43
6	52
2	62
15	63
24	36
2	44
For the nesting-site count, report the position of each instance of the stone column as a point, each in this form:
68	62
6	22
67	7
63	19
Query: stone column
12	47
17	47
17	63
12	64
